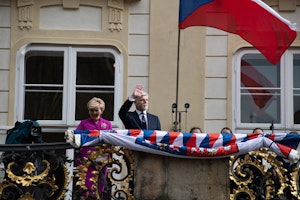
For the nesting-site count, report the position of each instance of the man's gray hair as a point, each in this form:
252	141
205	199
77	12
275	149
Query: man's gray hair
144	93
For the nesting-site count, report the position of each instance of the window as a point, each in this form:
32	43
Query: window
296	87
56	82
267	93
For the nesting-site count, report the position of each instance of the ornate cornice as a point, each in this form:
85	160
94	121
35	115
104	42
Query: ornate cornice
115	12
25	8
115	18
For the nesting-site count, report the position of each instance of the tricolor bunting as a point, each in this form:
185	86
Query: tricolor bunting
252	20
192	145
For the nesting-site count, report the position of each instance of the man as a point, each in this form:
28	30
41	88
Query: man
140	118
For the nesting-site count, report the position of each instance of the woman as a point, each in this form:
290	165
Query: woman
96	107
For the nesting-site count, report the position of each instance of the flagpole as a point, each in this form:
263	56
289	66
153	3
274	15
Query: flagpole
176	123
175	105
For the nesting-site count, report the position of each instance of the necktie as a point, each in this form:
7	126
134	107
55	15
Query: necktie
143	120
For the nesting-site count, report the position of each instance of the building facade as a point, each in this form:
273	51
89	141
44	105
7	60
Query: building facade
138	42
57	54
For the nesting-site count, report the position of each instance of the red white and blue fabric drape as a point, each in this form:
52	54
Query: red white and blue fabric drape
192	145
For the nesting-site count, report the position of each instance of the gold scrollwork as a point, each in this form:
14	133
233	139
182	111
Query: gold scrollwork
47	176
295	178
119	165
26	196
263	173
27	179
242	189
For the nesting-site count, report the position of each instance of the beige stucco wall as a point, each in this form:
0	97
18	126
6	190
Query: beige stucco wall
5	30
203	70
138	47
205	67
149	43
163	177
163	70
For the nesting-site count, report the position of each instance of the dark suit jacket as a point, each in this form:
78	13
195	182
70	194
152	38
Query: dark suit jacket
131	120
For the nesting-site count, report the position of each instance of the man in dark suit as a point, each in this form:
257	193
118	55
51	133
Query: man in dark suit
140	118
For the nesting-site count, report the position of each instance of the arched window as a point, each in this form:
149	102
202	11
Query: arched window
56	82
267	93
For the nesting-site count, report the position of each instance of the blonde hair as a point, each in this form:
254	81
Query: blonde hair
96	102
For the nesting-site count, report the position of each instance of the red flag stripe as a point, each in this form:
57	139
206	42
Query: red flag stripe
266	30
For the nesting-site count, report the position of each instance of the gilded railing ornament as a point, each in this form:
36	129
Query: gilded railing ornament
104	172
263	175
34	175
28	177
295	178
26	196
243	191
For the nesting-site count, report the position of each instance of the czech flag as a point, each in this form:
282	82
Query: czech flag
252	20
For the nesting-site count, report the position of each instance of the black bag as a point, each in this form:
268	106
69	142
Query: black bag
26	132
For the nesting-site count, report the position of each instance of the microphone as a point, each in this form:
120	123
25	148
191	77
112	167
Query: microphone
174	105
272	126
186	105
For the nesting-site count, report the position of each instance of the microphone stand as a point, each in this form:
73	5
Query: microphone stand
177	124
272	127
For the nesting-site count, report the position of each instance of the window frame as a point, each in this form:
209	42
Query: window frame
69	81
286	91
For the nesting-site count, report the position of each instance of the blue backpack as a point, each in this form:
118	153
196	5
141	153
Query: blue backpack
26	132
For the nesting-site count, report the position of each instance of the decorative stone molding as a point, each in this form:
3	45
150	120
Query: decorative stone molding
287	5
71	4
284	5
25	8
115	10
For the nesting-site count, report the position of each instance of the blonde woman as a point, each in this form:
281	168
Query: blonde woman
96	107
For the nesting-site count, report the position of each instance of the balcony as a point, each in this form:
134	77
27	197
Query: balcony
105	171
